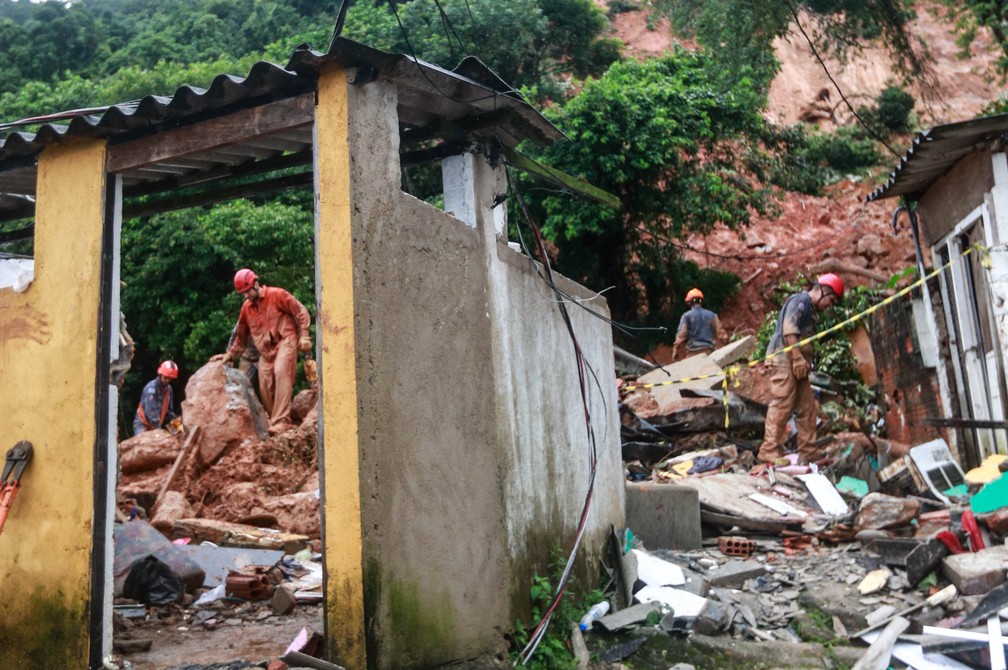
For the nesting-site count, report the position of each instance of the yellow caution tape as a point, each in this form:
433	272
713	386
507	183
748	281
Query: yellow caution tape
732	372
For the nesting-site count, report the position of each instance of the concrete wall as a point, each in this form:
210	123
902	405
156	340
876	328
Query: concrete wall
48	355
472	445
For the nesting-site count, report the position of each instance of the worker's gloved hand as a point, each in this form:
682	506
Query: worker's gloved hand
799	366
224	358
304	344
175	426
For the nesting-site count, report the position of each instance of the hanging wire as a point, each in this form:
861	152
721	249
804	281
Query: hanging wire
815	52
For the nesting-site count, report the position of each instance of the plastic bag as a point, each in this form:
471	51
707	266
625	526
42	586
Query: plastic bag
153	582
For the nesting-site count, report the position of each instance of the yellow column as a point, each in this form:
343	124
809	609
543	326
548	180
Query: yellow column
48	350
338	434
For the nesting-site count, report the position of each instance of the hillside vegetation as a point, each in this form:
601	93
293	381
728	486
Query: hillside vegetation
682	138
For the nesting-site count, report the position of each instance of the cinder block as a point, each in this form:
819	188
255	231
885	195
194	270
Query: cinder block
664	516
979	572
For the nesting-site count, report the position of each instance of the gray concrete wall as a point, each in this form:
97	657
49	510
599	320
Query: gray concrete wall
472	440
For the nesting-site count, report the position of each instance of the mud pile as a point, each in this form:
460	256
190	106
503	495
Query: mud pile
225	466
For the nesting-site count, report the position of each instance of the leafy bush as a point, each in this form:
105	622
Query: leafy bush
891	113
806	162
552	652
894	108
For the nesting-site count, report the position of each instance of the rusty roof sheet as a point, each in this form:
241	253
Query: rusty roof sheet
427	93
934	152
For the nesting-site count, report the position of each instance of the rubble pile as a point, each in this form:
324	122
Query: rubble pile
225	466
878	544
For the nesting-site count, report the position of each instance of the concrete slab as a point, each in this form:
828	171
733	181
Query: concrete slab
664	516
734	351
735	573
977	572
688	368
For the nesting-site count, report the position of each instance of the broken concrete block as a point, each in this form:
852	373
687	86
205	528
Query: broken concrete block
734	352
714	618
735	573
978	572
664	516
283	601
172	505
631	616
689	368
881	511
916	556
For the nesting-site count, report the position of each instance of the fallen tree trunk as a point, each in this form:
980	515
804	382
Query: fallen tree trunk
227	534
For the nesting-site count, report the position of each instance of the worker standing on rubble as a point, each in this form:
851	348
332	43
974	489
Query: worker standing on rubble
157	404
699	328
249	361
278	325
790	388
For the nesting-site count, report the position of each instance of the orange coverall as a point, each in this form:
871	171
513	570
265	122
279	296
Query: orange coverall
275	322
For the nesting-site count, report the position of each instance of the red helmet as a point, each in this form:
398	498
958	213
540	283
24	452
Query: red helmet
244	279
168	369
694	293
834	282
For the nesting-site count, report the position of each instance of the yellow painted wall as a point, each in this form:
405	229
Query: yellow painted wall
48	345
341	465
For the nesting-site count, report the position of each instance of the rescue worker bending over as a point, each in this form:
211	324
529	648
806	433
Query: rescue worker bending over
790	388
278	325
699	327
157	406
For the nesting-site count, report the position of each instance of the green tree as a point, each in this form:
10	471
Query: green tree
741	32
528	43
177	272
973	16
665	136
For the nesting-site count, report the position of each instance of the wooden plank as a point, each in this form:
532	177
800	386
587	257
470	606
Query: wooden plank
246	124
193	436
562	179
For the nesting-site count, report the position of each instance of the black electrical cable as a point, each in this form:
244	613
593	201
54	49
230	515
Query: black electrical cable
583	368
492	95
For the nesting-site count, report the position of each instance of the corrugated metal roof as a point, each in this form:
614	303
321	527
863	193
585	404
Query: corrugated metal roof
470	97
934	152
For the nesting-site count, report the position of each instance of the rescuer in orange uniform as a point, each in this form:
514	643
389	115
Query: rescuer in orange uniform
699	328
278	325
790	388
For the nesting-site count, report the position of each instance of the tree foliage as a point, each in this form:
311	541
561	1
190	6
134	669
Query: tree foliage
741	32
665	136
528	43
177	271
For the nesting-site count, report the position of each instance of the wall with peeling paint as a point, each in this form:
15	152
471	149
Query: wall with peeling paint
48	353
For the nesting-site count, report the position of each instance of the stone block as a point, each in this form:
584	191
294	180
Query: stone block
734	352
978	572
664	516
735	573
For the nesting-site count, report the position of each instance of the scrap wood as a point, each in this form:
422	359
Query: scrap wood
193	437
880	652
236	535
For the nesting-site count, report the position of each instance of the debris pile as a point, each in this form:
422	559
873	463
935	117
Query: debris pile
225	467
234	518
877	543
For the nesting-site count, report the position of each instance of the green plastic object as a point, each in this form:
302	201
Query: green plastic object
991	497
960	491
853	485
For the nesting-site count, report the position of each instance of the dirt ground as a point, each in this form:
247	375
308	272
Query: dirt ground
238	638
